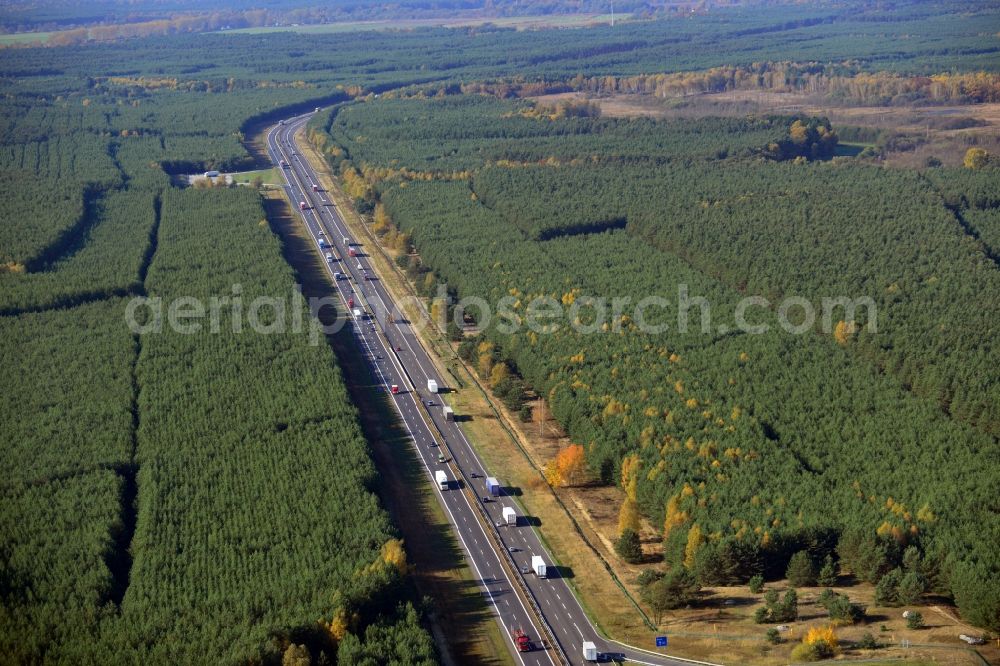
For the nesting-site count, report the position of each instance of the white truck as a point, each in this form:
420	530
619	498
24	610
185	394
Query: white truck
538	565
589	651
509	516
211	174
442	479
329	258
322	242
432	385
358	314
449	413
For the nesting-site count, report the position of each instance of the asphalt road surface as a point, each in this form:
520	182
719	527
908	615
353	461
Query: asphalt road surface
497	553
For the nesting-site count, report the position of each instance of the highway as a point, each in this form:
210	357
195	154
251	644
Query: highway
499	555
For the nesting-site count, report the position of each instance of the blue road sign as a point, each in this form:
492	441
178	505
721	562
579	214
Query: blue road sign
661	641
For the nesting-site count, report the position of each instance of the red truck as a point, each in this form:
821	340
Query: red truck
351	252
303	205
522	641
315	188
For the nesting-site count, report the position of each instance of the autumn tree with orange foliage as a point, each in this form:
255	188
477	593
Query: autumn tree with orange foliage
567	468
844	331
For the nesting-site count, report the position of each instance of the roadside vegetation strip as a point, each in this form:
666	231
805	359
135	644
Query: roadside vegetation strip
460	617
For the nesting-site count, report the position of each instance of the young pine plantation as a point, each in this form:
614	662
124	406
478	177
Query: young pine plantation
208	496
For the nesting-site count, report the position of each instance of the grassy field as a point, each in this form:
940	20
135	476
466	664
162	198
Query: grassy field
19	38
267	176
931	127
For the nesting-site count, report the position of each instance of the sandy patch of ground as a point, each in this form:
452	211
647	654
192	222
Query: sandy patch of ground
940	132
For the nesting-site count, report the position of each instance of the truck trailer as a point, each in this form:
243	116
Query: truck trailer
538	565
432	385
449	413
442	479
492	486
509	516
589	651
